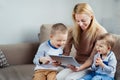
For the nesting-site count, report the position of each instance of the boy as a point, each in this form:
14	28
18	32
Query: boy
46	68
104	64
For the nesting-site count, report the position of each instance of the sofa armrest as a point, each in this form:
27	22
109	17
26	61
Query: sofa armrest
116	50
22	53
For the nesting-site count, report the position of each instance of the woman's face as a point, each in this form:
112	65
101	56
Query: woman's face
83	20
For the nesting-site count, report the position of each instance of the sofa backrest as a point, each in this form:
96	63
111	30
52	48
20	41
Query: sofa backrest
116	50
22	53
44	32
116	47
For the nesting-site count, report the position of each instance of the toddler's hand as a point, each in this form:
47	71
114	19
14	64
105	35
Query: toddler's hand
99	62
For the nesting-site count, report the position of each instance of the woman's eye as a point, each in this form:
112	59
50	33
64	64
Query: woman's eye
101	46
77	21
83	21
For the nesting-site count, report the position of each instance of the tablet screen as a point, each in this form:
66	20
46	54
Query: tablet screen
65	60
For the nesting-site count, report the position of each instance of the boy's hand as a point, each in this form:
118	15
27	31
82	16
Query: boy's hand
45	60
56	63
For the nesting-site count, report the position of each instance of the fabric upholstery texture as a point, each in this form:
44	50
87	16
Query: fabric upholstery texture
3	60
20	53
44	32
116	50
17	72
20	57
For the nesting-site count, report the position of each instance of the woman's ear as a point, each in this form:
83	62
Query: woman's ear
92	17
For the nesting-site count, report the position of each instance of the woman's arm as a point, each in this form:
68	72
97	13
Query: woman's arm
89	61
68	45
86	64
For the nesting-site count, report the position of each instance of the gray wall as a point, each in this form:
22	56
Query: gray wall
20	19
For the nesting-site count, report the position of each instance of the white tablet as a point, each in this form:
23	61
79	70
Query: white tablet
65	60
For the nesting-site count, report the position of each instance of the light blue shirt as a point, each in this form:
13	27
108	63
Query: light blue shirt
110	64
46	49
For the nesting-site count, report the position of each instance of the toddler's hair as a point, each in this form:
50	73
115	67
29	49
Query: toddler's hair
109	38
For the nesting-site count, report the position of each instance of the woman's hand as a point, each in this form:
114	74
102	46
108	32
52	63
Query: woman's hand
73	68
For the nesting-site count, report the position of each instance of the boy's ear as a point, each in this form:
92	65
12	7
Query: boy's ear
109	47
51	36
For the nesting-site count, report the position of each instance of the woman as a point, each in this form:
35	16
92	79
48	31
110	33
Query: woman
83	36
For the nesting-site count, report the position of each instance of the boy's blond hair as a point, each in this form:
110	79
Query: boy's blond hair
58	27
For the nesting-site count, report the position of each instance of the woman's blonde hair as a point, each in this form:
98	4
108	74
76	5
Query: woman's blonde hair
84	8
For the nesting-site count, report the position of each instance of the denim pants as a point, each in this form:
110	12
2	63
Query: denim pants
95	76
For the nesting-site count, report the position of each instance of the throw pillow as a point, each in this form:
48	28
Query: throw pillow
3	60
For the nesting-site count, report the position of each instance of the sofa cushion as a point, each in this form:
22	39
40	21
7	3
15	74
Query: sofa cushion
18	72
116	50
20	53
117	75
3	60
44	32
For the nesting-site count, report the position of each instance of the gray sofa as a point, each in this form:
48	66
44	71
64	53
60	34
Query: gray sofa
20	57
